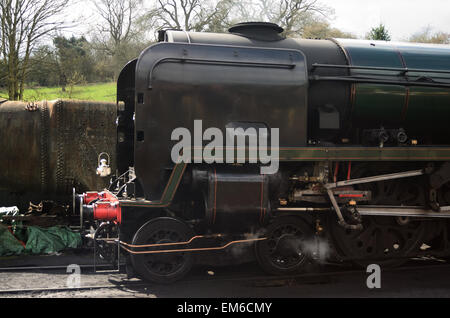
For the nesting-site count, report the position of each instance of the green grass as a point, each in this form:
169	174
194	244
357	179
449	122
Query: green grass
95	92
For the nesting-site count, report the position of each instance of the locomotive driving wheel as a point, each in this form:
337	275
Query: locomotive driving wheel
284	250
386	240
162	267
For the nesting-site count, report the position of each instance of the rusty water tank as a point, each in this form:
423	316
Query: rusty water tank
52	146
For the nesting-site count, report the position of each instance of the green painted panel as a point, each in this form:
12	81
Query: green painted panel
372	53
425	56
381	103
429	107
377	104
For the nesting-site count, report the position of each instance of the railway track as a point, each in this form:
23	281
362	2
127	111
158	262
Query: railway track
260	280
57	267
65	289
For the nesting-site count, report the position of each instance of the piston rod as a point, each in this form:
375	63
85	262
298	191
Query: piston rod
403	211
384	177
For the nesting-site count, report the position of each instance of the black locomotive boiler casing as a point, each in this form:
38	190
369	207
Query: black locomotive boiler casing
381	106
224	80
318	92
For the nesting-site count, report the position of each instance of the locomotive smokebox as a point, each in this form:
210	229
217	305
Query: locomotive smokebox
52	146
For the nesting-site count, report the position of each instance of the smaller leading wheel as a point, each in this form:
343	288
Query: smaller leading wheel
162	268
284	252
105	250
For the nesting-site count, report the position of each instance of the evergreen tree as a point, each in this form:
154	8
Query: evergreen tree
379	33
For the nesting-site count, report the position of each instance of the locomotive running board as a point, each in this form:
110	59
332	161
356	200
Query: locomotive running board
403	211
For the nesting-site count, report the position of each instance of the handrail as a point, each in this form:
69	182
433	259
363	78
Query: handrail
215	62
374	80
375	68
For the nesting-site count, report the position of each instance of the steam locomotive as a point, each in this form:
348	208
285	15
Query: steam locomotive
362	151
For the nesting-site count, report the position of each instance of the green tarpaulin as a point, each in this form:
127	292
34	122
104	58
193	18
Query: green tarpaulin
9	245
37	240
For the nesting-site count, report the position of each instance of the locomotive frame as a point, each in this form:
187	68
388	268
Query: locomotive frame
355	171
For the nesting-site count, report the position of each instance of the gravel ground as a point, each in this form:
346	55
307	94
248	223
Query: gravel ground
433	282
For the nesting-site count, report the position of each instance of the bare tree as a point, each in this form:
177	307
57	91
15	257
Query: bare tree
292	15
191	15
118	22
321	29
119	36
23	24
428	36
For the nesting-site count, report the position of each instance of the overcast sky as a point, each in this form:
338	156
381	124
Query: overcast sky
401	17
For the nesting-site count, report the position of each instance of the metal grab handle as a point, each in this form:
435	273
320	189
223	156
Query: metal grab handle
216	62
